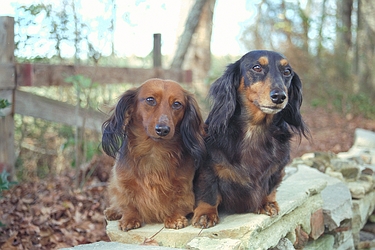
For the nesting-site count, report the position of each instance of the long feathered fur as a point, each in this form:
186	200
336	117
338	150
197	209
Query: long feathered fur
152	180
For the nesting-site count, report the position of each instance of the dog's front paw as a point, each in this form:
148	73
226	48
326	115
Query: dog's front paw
176	222
205	220
205	215
112	214
129	224
271	208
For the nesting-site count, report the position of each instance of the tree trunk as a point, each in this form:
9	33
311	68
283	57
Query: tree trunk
344	31
185	39
305	17
198	57
320	31
366	46
343	44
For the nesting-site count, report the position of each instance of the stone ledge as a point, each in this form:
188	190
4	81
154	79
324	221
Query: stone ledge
103	245
362	209
325	242
364	138
337	205
298	196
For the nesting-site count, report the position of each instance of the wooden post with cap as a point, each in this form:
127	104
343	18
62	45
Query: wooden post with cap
157	51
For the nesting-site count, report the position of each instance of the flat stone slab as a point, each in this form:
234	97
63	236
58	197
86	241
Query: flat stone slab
325	242
337	205
298	196
362	209
103	245
364	138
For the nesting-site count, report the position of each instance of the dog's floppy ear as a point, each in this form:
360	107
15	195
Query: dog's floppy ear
224	95
114	129
291	113
192	131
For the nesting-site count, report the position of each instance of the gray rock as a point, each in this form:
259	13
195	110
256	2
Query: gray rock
205	243
348	168
362	209
289	171
360	188
364	138
102	245
344	241
325	242
284	244
337	204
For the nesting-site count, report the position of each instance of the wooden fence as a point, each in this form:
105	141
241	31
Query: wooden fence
13	75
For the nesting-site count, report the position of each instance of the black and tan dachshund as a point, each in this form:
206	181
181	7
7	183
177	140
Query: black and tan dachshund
255	112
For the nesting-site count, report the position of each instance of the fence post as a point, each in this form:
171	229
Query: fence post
157	51
7	92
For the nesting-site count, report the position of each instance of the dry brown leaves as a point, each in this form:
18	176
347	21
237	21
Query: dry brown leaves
330	131
51	214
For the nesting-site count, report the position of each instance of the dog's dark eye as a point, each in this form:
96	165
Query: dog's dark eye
176	105
257	68
151	101
287	72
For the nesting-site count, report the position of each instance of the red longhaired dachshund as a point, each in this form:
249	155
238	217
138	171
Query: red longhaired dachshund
255	111
156	135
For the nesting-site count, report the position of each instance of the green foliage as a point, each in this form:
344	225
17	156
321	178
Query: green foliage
65	131
45	147
362	103
81	82
318	102
4	103
83	87
346	102
219	65
4	183
92	148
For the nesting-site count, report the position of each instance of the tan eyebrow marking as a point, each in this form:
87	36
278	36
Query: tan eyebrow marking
284	62
263	60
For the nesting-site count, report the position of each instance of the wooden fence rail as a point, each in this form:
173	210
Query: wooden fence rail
13	75
53	75
47	109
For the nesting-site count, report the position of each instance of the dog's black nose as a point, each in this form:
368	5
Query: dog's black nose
162	130
277	96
